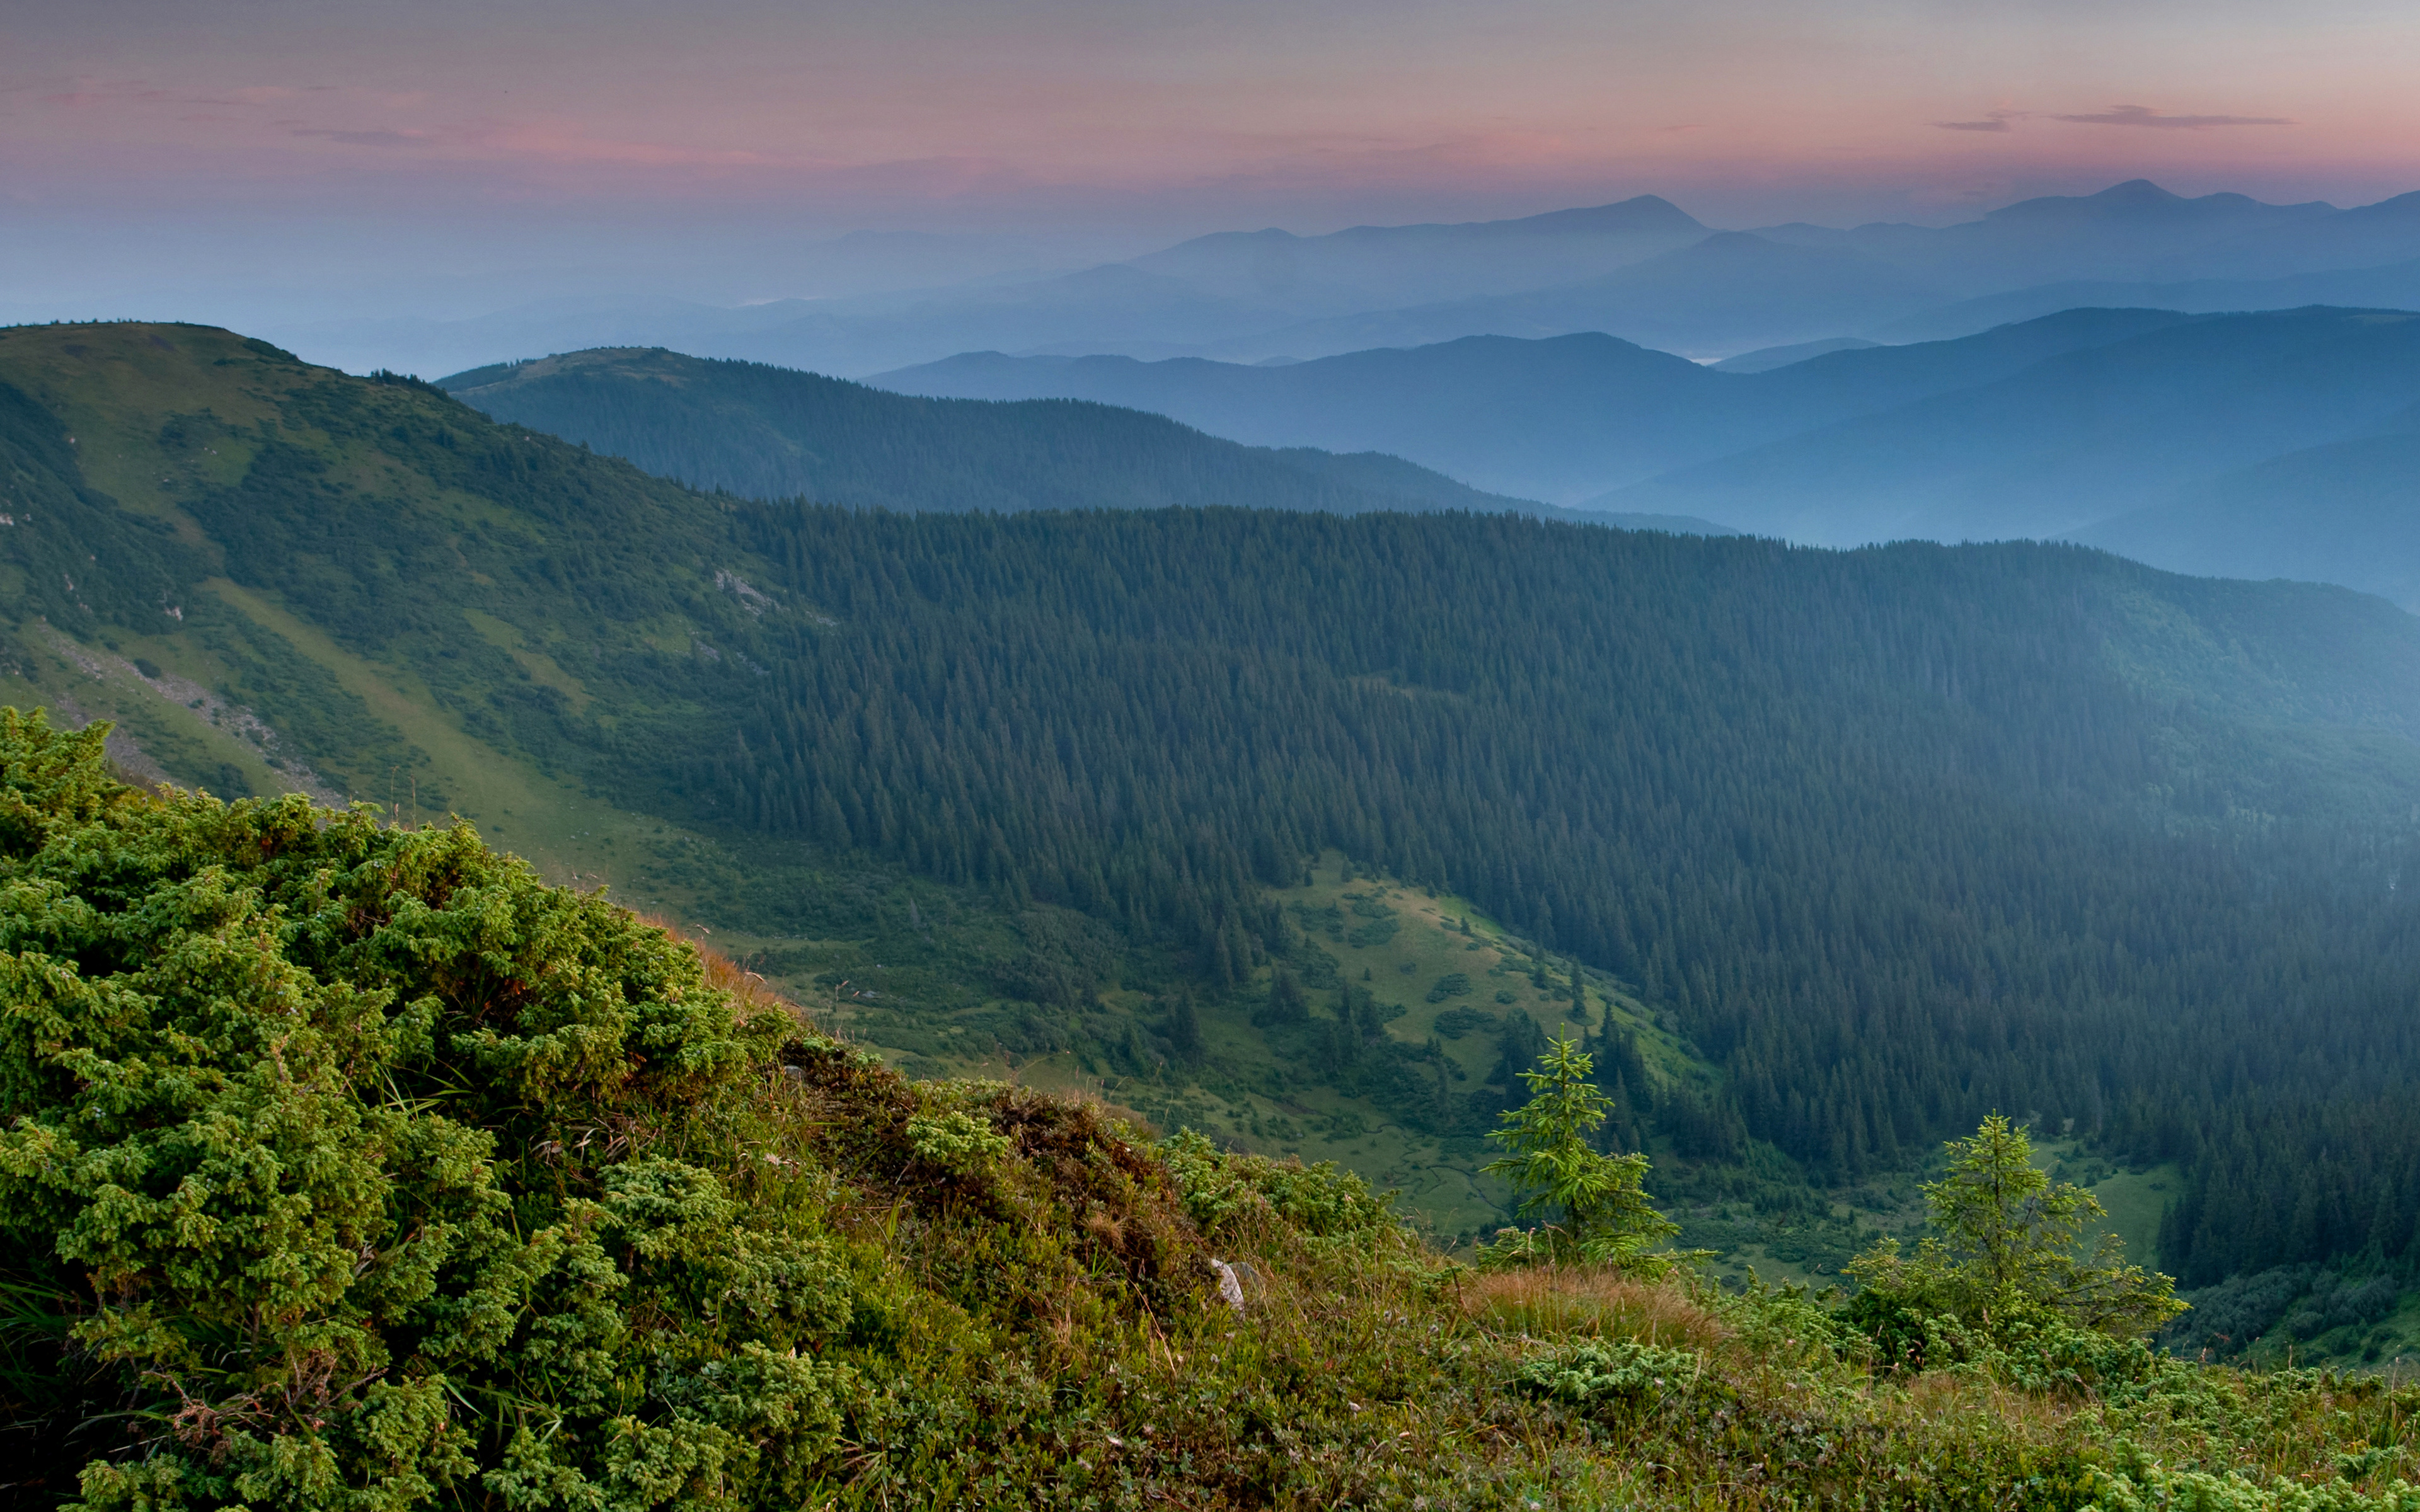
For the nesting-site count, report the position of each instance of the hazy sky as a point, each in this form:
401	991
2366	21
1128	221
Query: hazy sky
148	140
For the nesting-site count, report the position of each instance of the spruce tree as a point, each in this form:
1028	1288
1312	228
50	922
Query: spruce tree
1598	1208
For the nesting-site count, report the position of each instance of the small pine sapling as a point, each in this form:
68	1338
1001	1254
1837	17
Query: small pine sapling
1600	1213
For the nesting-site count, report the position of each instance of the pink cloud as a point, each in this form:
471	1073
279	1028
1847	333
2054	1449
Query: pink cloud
567	142
85	96
1995	121
2146	115
366	138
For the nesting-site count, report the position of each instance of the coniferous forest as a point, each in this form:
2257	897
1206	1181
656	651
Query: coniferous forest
1887	829
349	1164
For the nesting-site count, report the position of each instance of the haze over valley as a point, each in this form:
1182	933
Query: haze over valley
1642	268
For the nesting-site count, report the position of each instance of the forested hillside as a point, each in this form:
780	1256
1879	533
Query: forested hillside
1899	836
2337	512
1840	850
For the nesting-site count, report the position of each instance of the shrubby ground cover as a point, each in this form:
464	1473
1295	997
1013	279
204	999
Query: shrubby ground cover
351	1167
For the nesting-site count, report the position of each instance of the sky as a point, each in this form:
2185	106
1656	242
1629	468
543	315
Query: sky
450	153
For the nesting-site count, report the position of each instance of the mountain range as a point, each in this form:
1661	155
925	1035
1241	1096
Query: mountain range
1560	418
2133	230
2140	424
2210	437
1641	268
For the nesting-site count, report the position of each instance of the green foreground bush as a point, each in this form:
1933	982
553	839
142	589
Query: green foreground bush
352	1167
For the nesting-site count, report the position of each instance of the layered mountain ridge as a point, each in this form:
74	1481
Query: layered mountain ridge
771	433
1642	269
2061	425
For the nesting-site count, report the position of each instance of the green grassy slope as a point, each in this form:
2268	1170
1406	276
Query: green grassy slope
1402	942
387	603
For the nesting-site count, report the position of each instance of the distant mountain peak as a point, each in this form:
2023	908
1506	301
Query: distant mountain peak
1640	213
2134	195
2400	207
2140	192
2140	198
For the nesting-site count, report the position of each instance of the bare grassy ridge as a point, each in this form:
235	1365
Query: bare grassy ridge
1355	1383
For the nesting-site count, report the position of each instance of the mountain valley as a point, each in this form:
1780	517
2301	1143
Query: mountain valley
1334	915
1079	756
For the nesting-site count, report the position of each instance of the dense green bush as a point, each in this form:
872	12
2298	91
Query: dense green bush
1588	1373
352	1166
2300	1302
351	1163
2005	1257
1251	1196
1453	984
